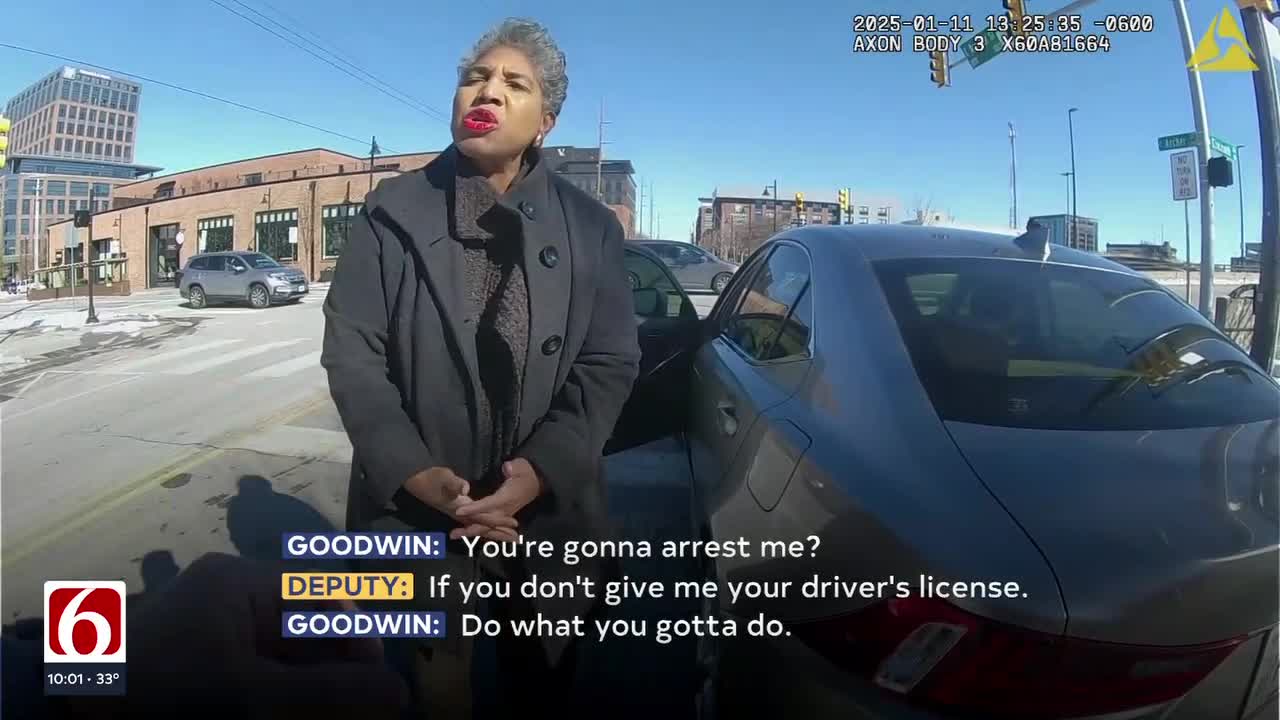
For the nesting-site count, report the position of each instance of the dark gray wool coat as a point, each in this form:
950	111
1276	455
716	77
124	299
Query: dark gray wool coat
400	349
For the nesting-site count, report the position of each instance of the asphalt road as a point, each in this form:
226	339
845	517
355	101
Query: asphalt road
166	433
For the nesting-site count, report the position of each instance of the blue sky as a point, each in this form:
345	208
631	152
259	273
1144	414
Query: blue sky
698	94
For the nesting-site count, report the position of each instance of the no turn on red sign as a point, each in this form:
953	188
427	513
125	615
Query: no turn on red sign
1185	185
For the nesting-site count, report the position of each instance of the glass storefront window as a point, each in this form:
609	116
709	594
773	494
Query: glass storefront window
216	234
337	226
272	231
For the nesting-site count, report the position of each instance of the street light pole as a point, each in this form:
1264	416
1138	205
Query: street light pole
93	315
1071	132
1240	188
775	203
1068	176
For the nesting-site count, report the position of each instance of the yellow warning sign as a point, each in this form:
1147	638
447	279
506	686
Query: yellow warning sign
1209	57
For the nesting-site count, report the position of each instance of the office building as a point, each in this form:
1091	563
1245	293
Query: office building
614	179
40	191
76	115
1060	228
1251	261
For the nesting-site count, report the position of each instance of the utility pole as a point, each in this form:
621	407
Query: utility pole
1013	179
93	315
1071	131
1254	16
658	236
373	150
640	208
1206	191
600	156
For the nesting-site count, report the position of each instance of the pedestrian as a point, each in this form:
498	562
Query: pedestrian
480	343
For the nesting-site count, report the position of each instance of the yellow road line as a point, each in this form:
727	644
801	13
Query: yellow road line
114	498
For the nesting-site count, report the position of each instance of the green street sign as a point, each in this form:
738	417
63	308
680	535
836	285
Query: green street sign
991	47
1192	140
1178	142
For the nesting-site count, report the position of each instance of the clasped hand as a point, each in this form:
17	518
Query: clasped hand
491	517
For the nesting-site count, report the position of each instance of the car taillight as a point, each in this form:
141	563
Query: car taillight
937	655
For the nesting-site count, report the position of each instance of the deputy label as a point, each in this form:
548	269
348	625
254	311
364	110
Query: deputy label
346	586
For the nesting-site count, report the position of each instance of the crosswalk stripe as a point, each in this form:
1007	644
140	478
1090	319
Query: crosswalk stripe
166	357
279	370
223	359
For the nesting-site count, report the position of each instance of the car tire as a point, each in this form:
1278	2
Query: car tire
259	296
196	298
633	280
720	282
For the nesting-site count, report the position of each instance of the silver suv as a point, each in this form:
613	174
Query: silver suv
694	267
240	277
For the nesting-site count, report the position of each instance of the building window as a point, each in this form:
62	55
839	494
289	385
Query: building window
883	221
79	147
62	207
253	179
57	144
26	226
863	209
102	133
119	149
62	127
337	226
130	123
48	207
93	116
56	187
101	189
79	189
272	232
128	136
84	113
863	221
11	207
26	207
216	234
98	151
884	212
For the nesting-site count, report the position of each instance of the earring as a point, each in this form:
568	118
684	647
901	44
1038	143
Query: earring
538	140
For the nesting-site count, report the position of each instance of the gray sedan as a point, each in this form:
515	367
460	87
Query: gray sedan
1022	486
694	267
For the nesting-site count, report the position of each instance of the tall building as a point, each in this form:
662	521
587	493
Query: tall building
1061	227
76	114
732	223
615	179
73	132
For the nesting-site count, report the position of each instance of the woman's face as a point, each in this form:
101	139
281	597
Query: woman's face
497	110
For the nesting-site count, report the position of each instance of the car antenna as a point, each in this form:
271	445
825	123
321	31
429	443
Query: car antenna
1035	241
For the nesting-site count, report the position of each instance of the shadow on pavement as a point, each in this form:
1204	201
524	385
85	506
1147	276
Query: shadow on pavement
258	516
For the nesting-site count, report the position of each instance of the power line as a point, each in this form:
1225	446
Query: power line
326	48
180	88
434	114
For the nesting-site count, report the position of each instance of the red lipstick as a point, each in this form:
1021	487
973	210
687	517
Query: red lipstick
480	120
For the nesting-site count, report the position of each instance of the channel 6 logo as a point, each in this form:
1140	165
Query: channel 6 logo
84	621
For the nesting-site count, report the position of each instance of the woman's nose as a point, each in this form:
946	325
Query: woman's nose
491	91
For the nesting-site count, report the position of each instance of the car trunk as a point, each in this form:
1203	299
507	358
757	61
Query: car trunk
1157	537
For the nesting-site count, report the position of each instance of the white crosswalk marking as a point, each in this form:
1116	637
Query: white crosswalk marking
279	370
225	358
164	358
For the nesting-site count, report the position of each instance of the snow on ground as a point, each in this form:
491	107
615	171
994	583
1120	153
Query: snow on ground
74	320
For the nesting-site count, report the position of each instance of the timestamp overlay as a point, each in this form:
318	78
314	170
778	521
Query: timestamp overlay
971	37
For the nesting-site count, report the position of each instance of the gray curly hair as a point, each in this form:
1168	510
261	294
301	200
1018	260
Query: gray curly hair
535	42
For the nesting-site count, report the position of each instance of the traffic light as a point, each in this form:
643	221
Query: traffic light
1017	11
938	71
4	139
799	202
842	196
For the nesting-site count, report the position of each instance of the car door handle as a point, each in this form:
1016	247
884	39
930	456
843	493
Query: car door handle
728	417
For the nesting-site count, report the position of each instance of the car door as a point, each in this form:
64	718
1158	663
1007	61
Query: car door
669	330
213	276
234	276
695	269
760	351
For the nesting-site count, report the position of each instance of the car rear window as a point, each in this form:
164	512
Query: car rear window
1042	345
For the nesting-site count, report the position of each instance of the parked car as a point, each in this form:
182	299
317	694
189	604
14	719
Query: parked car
694	267
917	406
242	277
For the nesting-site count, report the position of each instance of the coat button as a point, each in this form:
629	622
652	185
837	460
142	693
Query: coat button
527	209
551	345
549	256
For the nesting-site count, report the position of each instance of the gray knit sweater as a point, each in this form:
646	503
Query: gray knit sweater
498	308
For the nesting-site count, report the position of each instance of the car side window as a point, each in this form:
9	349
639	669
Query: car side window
774	319
234	264
199	264
652	292
690	256
215	263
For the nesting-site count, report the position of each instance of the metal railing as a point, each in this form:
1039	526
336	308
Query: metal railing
73	276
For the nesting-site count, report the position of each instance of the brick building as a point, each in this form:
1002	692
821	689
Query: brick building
615	179
732	223
296	207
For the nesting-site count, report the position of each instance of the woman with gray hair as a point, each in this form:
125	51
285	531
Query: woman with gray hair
480	345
